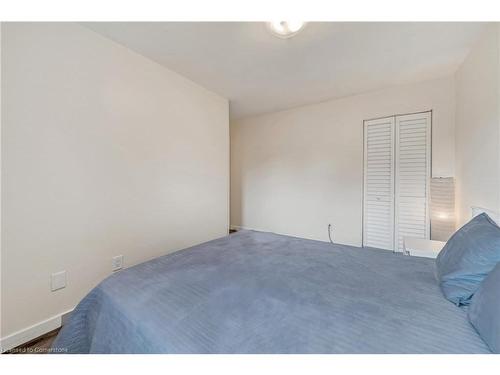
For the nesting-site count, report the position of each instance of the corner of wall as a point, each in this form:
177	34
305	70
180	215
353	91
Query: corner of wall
498	106
477	120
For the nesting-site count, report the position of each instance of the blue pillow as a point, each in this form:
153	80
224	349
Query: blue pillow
467	258
484	310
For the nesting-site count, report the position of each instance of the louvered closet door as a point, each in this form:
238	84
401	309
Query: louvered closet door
413	167
378	215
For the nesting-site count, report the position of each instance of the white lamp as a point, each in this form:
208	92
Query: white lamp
442	208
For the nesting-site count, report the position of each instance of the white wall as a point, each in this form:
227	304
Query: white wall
295	171
1	307
104	152
478	128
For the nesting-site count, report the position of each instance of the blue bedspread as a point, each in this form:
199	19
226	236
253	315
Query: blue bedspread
254	292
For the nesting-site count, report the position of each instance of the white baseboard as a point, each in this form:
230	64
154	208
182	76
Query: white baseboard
236	227
239	227
32	332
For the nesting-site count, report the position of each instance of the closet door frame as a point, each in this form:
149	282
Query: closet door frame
395	133
428	157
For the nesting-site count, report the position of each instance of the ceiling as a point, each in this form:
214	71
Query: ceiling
260	73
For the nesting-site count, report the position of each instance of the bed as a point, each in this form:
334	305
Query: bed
256	292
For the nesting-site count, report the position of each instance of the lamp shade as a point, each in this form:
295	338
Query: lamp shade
442	208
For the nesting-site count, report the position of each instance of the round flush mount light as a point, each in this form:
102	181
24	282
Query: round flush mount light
285	29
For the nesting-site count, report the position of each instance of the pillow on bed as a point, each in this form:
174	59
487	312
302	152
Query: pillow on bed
467	258
484	311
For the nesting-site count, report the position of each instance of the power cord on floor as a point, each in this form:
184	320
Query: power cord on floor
330	232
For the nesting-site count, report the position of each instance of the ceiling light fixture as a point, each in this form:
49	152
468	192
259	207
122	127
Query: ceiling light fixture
285	29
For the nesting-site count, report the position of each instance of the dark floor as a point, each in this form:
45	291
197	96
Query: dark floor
40	345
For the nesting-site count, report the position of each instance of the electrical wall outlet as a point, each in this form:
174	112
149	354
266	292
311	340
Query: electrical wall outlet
117	263
58	281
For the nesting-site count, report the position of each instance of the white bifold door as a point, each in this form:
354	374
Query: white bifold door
397	169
